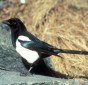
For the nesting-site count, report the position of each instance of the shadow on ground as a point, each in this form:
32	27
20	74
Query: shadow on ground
43	69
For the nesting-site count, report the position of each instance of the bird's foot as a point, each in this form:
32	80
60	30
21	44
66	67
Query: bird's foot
26	74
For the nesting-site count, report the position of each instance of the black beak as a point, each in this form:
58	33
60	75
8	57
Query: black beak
6	22
5	25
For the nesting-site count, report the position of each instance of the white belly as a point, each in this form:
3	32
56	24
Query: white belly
29	55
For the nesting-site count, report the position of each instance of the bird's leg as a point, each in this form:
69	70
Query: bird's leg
27	73
29	69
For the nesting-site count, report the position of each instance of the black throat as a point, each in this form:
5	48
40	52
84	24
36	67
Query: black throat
14	36
16	33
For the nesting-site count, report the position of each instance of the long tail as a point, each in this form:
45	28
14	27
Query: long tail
71	51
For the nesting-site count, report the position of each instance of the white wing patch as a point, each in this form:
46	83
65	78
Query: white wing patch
29	55
23	38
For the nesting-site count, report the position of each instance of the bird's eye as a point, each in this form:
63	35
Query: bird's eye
14	23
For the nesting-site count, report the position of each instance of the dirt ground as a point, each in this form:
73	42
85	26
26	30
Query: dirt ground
63	24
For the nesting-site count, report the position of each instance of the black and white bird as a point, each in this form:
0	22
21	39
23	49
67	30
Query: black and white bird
27	45
31	48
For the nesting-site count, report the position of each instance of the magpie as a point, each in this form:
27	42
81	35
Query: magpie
30	47
27	45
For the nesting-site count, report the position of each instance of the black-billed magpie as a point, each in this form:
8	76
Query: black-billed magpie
31	48
26	44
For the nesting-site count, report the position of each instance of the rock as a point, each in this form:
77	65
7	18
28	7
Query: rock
14	78
9	58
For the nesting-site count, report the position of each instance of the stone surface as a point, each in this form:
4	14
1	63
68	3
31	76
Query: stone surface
14	78
9	58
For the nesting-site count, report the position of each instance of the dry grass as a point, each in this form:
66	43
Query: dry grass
60	25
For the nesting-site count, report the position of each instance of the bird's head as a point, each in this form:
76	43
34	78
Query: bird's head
15	24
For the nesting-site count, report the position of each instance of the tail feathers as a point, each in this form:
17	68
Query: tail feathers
56	51
70	51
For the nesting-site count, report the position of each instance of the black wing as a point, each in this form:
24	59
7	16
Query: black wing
40	46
